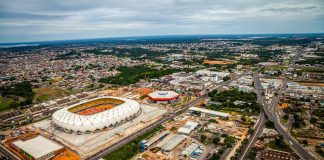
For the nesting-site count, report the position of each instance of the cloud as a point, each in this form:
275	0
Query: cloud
61	19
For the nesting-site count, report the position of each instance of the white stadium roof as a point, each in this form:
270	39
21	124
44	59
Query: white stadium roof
76	122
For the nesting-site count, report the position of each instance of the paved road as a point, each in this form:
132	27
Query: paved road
272	115
155	124
300	51
258	127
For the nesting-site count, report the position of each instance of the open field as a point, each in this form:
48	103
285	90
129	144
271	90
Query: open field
5	104
312	84
43	94
212	62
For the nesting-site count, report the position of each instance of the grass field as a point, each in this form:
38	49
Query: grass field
44	94
5	104
310	69
284	148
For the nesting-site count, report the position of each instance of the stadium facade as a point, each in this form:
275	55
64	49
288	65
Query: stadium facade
96	114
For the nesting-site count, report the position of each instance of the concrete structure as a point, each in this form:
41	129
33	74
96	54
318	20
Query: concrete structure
207	72
163	96
96	114
187	128
172	143
38	148
192	148
158	137
210	112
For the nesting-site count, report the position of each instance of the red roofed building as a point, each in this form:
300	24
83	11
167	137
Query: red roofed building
163	96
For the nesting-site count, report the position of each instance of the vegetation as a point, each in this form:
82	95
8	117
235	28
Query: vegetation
227	98
252	153
43	94
131	148
16	95
217	156
135	52
319	150
298	121
226	78
279	144
229	141
131	75
312	61
269	124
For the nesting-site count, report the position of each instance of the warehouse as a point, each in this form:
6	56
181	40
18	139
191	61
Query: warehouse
191	149
172	143
38	148
187	128
209	112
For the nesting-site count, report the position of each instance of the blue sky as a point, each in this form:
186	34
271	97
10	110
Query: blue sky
38	20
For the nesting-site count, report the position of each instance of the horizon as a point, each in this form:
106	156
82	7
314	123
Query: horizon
153	36
68	20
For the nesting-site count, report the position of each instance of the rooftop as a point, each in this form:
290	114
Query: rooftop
208	111
38	146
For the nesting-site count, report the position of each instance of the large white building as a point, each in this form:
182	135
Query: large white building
38	148
96	114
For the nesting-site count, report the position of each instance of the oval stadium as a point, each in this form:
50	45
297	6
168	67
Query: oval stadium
96	114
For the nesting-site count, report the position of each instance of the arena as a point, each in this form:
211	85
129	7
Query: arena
96	114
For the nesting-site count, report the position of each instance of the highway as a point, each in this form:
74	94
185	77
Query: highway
258	127
272	115
155	124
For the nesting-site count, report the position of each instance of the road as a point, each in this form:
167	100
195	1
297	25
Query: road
258	127
7	153
272	115
155	124
296	57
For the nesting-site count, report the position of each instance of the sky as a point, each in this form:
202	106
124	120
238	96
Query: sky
42	20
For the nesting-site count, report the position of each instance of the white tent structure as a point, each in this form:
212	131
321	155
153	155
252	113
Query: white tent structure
84	123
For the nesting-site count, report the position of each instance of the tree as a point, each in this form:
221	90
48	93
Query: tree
203	138
226	78
305	142
269	124
313	120
216	140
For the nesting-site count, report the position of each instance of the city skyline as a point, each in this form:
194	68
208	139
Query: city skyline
61	20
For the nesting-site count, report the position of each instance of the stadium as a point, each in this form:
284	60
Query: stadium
96	114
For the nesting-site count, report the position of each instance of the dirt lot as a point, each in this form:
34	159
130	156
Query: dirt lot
312	84
43	94
218	62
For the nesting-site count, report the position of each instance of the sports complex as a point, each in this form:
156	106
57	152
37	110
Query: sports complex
96	114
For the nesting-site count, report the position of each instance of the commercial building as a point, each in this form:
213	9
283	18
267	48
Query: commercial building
187	128
192	149
144	144
163	96
38	148
209	112
172	143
